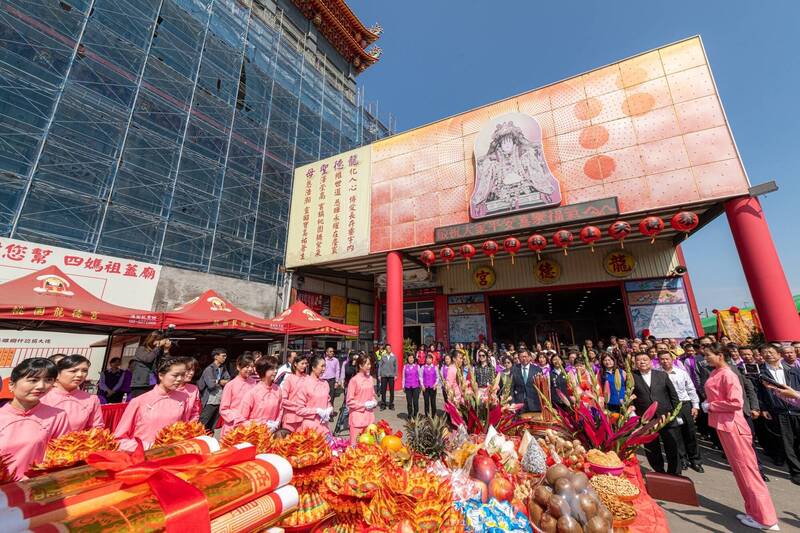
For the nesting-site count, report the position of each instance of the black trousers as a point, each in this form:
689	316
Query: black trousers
209	416
429	400
669	437
138	391
790	436
688	432
387	383
332	387
117	397
412	402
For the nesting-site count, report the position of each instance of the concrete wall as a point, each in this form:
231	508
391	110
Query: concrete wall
177	286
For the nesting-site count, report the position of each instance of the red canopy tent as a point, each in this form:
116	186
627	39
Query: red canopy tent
210	311
50	298
299	319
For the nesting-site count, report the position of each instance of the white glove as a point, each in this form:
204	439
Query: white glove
323	414
704	406
328	412
273	425
369	405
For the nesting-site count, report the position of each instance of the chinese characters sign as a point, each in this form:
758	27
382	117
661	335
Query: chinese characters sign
547	271
330	216
484	277
619	263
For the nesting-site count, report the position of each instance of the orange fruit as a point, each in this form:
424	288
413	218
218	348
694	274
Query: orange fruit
391	443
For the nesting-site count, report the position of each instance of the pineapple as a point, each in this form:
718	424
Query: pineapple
426	436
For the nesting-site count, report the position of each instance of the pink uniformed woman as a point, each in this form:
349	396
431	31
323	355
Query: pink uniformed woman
27	424
290	389
360	398
452	375
723	403
262	403
83	409
190	388
157	408
314	399
235	391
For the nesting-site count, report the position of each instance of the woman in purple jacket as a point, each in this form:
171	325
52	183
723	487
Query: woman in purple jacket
412	383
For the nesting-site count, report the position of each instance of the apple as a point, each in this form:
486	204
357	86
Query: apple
501	488
484	489
483	468
366	438
518	506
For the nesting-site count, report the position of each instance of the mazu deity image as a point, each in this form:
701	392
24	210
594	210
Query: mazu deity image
511	173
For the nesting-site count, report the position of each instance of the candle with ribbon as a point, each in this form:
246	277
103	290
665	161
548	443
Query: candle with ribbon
467	252
563	239
618	231
448	255
490	248
512	246
684	221
537	243
590	235
651	226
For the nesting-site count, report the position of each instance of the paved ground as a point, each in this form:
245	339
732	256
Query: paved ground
720	500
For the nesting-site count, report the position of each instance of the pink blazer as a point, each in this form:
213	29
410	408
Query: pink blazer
148	414
262	403
314	394
360	390
724	397
82	408
290	388
194	400
24	434
230	405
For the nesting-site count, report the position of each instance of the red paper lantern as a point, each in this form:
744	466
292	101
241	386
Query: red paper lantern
429	258
684	221
650	227
490	248
590	235
448	255
512	246
467	252
537	243
563	238
619	230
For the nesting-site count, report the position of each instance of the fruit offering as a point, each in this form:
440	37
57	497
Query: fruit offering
179	431
572	453
566	503
310	510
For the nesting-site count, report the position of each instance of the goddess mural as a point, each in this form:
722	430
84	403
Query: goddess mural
511	172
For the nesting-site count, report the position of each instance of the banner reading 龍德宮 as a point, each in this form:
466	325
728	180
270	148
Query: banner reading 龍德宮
330	212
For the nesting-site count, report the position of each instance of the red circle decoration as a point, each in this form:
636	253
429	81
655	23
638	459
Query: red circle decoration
448	255
618	231
650	227
537	243
428	257
563	238
684	221
490	248
512	246
467	251
590	235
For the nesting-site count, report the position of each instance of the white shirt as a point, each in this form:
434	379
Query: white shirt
647	377
284	368
778	374
684	386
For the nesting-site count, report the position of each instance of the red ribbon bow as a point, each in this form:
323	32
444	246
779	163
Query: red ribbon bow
185	506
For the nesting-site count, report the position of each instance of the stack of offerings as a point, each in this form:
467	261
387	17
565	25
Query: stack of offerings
192	484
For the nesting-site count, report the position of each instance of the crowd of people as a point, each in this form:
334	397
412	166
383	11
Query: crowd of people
730	396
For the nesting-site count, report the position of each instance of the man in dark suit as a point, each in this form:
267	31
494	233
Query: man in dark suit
783	414
655	386
522	380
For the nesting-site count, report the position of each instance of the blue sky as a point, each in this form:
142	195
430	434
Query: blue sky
442	57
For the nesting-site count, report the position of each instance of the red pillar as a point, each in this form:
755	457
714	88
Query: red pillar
394	309
762	268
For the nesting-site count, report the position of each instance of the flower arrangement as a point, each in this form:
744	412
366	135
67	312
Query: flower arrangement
588	421
479	408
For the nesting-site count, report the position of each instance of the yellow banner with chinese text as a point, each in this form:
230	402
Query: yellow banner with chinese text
330	216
